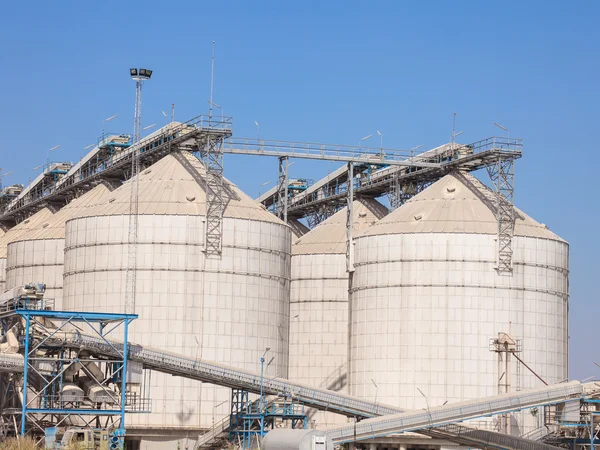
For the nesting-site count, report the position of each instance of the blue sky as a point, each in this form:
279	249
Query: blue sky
329	72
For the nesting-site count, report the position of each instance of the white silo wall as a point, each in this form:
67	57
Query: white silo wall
319	304
38	255
37	261
227	310
18	231
426	301
2	274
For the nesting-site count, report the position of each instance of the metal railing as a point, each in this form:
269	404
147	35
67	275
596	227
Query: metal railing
93	167
444	415
27	303
330	152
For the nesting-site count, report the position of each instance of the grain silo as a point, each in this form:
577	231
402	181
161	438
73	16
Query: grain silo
38	255
18	231
427	301
319	303
227	310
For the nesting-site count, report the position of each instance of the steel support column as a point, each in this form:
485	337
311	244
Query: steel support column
282	189
502	174
349	219
213	161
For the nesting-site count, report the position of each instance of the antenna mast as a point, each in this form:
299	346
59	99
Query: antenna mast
212	81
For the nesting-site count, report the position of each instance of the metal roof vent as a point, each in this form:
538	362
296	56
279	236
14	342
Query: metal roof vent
190	199
450	189
26	221
45	224
147	171
418	217
361	215
110	200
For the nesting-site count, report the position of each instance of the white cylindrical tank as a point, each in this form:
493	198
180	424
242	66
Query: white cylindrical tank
427	301
227	309
16	232
38	255
319	303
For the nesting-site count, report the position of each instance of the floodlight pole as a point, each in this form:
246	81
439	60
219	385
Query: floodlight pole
139	76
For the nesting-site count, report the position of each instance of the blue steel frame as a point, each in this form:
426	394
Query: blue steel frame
253	420
83	318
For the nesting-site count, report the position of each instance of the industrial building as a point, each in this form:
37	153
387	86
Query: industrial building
451	295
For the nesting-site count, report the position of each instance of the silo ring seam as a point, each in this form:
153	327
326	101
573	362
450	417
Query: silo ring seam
229	272
408	260
480	286
126	243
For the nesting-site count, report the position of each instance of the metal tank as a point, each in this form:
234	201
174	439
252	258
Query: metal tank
228	309
427	302
16	232
319	303
38	255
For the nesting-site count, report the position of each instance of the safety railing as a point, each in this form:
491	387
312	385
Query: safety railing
442	415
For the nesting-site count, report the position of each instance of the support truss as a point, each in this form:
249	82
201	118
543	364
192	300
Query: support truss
321	213
282	189
401	192
502	174
350	219
215	202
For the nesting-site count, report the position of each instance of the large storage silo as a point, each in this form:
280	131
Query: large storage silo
38	255
227	310
319	303
19	230
426	301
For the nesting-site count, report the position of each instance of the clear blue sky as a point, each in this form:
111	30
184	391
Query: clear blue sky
329	72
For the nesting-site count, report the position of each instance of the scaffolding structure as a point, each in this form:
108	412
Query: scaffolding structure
250	421
60	386
576	424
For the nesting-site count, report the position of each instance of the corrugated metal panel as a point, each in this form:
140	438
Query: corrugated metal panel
329	237
451	206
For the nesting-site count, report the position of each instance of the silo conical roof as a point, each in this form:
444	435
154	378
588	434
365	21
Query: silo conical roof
54	226
23	228
329	237
457	203
175	185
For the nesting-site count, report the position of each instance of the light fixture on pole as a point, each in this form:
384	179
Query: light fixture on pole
262	367
503	128
262	186
139	76
412	150
380	143
257	129
364	139
48	153
2	175
376	389
217	106
104	123
427	403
